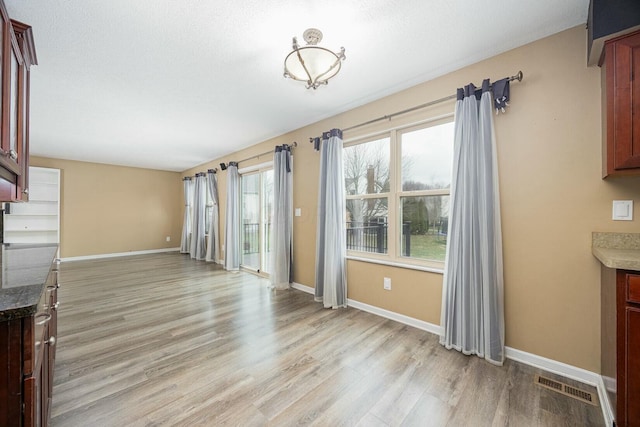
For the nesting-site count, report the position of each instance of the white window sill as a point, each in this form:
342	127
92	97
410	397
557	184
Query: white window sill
398	264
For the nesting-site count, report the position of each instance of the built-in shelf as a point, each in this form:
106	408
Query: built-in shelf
32	229
34	214
37	221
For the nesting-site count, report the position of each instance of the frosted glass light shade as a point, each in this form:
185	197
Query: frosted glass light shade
312	64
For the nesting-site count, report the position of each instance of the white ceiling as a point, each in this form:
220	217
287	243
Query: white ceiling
169	84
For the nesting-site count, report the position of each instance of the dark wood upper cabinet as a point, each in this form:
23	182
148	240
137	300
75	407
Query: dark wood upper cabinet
17	55
24	35
621	106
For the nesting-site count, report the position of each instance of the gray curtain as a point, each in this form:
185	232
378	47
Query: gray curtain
472	303
282	223
185	240
331	246
198	238
232	226
213	244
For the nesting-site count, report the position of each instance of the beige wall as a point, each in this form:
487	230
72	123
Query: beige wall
109	209
549	146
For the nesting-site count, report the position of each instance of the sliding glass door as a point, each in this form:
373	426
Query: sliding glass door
255	227
267	213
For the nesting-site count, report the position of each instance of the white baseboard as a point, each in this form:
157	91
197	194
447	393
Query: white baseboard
118	254
416	323
610	384
605	403
553	366
531	359
303	288
567	371
401	318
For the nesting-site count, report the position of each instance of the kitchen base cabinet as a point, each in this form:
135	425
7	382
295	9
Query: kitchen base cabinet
628	348
27	358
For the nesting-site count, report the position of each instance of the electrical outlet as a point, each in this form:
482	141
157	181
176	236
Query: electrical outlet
168	238
387	283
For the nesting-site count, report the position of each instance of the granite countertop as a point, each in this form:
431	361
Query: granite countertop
617	250
25	268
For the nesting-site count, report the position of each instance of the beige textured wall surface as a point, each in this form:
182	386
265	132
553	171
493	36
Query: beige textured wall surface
110	209
549	148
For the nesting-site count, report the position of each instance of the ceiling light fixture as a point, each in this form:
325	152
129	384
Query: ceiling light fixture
312	64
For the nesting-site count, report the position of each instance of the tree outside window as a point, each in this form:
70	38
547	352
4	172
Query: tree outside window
420	194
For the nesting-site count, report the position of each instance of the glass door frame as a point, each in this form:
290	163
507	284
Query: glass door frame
263	217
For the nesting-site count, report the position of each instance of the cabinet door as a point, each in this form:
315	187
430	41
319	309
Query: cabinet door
622	58
45	378
22	192
32	402
24	36
11	135
10	373
17	54
11	138
632	392
51	342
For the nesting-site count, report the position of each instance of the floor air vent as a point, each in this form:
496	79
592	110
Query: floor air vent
567	390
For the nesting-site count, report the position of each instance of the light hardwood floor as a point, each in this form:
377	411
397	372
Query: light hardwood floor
165	340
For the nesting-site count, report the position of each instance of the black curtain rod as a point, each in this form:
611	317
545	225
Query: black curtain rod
517	77
295	144
188	178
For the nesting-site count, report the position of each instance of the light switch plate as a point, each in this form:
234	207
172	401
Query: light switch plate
298	212
623	210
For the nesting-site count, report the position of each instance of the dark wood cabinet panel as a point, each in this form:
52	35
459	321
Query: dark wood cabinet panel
10	360
621	152
632	403
17	55
628	350
31	405
24	36
633	288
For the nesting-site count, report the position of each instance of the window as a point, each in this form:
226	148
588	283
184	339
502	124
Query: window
397	189
366	176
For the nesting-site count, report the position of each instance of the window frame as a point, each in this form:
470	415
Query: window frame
395	194
372	196
263	243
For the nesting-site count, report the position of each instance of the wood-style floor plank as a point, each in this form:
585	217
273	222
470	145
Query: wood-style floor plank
163	340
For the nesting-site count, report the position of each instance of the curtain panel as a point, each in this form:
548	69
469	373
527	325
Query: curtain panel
213	245
185	239
331	245
473	300
282	223
232	227
198	238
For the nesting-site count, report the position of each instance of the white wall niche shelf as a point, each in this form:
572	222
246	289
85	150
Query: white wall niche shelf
38	220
